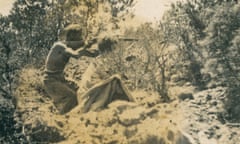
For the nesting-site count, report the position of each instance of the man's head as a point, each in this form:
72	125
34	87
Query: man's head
74	36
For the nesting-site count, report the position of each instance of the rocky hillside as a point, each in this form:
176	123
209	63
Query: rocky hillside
146	121
183	72
192	117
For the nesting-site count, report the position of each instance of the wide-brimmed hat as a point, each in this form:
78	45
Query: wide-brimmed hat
73	32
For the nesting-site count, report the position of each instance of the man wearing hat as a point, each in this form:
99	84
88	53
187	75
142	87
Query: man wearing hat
61	91
63	94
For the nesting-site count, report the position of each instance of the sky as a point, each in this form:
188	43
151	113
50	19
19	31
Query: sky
150	10
5	6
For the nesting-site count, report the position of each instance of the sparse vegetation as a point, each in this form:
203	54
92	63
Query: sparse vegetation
195	46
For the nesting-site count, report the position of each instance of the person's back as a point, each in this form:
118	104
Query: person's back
57	58
63	93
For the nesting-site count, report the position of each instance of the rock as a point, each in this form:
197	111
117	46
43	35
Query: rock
152	112
130	132
40	132
59	123
121	106
184	96
184	138
203	139
132	116
214	103
208	97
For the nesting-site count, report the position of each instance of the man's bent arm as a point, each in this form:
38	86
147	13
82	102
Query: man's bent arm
89	53
74	53
81	52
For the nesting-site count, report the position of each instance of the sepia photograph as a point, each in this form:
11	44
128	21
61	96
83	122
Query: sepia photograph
119	72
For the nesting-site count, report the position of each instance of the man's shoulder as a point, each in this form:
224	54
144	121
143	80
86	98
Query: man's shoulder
59	45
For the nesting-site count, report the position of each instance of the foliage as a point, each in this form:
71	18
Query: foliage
183	27
34	25
7	134
206	33
33	32
143	64
30	30
97	16
38	24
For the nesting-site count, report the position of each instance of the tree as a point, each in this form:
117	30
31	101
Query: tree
206	31
28	19
222	45
6	72
8	132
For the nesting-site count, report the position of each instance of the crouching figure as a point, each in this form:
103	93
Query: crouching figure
63	92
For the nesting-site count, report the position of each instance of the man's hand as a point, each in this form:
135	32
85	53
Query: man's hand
89	52
106	44
90	42
110	39
94	52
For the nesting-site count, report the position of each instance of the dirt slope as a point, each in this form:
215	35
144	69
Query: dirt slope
190	120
